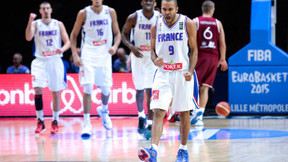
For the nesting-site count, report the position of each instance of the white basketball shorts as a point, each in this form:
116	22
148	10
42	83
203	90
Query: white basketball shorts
143	71
170	86
91	74
48	72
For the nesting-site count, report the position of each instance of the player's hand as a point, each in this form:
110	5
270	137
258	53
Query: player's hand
112	50
59	51
188	76
159	61
224	65
136	51
32	16
77	61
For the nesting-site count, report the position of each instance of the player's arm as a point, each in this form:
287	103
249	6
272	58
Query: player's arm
222	48
191	29
158	61
74	34
64	37
126	31
116	31
31	27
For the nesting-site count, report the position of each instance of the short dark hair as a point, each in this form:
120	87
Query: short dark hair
207	6
175	1
43	3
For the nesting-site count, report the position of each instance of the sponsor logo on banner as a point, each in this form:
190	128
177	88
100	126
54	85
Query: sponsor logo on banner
17	98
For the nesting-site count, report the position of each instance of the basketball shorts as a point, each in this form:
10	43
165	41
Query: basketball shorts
143	71
206	69
48	72
91	74
172	85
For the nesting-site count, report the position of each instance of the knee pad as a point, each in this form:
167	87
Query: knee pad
38	102
105	90
88	88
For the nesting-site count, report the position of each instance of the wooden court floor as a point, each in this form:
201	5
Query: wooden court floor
239	139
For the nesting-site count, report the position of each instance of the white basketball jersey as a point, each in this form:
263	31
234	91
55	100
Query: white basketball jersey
97	36
172	44
47	39
142	34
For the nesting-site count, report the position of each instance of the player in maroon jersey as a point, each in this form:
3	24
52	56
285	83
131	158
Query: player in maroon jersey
210	32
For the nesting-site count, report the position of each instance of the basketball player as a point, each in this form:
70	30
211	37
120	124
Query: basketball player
173	37
47	68
143	68
209	32
98	23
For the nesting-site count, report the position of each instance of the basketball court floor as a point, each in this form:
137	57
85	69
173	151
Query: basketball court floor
237	139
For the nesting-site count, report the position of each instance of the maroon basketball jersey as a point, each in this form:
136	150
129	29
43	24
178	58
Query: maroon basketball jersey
207	36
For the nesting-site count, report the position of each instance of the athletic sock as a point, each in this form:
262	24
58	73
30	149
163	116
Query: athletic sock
104	108
141	114
183	147
86	117
55	116
39	114
155	147
149	122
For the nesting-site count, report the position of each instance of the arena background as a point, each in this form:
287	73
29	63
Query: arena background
234	14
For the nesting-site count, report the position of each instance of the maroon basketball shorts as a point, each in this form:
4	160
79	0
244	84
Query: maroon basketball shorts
206	69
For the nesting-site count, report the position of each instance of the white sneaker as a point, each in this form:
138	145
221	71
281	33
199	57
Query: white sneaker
106	121
86	130
199	122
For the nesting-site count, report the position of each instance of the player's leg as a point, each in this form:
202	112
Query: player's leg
103	110
150	154
87	128
103	79
147	132
39	110
56	107
184	133
138	77
56	82
160	100
86	76
141	113
39	81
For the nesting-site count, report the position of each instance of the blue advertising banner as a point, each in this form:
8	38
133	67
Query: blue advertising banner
258	73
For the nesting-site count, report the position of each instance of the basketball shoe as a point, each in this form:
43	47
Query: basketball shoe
86	130
106	121
40	126
147	132
147	155
141	125
182	156
196	118
54	127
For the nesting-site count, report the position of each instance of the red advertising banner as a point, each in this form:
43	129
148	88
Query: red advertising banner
17	96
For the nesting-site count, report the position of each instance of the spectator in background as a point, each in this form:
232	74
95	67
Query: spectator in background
120	64
17	67
72	68
69	65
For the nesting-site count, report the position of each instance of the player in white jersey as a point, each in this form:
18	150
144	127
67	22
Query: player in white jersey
98	23
174	52
143	69
47	68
